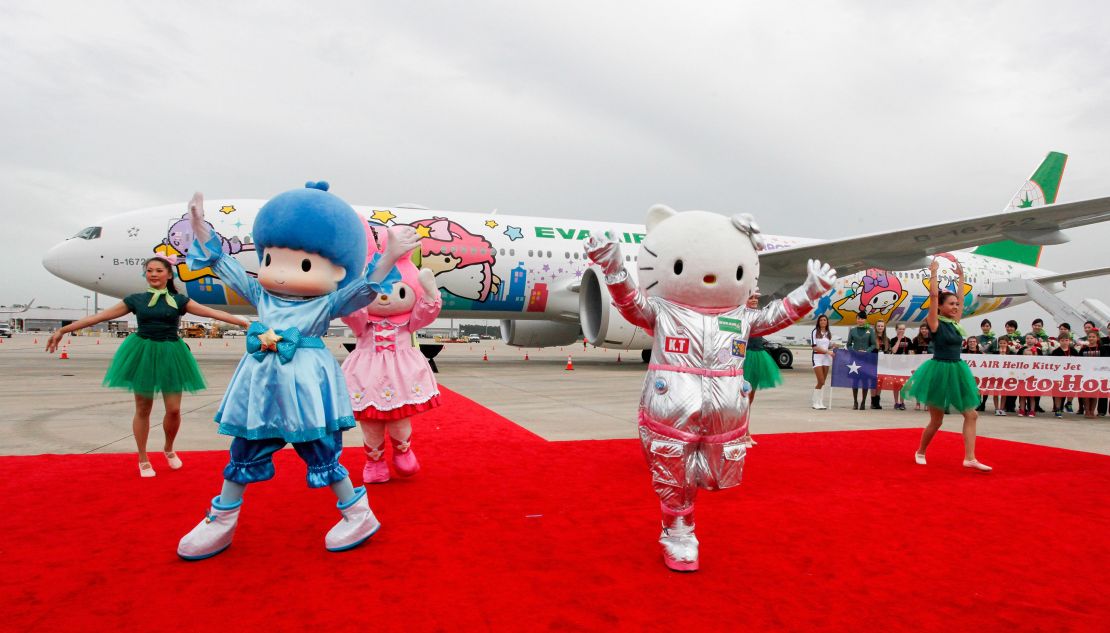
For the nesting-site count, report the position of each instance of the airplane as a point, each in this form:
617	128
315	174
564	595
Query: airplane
532	274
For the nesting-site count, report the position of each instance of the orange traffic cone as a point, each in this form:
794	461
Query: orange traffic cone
570	364
65	354
525	355
36	341
485	356
618	358
98	341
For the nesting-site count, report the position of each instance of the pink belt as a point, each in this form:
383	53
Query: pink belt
731	371
686	436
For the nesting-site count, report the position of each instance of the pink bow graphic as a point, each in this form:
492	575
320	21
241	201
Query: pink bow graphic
381	348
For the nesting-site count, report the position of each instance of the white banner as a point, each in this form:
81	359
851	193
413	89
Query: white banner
1012	375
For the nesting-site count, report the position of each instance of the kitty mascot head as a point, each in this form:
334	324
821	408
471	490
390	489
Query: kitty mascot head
309	243
699	259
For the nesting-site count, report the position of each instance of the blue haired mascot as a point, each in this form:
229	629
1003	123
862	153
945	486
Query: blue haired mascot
288	388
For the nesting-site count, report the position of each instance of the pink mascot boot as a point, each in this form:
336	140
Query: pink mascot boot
680	546
376	471
404	460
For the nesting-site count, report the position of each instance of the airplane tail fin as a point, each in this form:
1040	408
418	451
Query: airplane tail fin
1041	188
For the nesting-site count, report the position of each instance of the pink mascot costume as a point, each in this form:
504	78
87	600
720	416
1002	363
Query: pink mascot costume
696	272
388	379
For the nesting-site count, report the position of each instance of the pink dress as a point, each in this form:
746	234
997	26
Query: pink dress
388	378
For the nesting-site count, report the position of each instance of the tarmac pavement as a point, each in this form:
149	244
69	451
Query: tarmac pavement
59	406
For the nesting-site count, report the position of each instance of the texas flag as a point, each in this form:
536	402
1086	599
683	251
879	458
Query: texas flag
855	369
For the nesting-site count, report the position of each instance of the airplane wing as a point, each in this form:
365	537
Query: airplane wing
904	249
25	308
1078	274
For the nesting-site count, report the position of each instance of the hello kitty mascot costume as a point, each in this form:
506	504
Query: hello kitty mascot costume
388	378
696	272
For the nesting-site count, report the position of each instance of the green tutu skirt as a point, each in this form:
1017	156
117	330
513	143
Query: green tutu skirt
943	384
147	367
761	371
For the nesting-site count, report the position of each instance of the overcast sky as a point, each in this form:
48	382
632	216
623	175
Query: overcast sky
822	119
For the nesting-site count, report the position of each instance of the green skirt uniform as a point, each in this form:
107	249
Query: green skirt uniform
943	384
147	367
761	370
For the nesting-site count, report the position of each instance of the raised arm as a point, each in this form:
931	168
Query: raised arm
779	314
202	310
630	302
207	251
107	314
960	290
427	309
931	318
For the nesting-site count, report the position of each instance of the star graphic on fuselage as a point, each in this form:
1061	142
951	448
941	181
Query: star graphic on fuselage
384	216
514	233
491	224
423	231
227	208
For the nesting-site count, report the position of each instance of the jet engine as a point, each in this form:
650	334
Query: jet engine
602	324
538	333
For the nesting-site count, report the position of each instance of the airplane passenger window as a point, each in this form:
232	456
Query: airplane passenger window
567	253
529	253
512	252
576	255
502	252
549	254
90	233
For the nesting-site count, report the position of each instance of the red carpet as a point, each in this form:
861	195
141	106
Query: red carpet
504	531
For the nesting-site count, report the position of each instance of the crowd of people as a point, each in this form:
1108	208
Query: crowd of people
1036	342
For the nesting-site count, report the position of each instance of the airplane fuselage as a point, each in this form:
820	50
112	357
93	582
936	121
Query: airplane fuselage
488	265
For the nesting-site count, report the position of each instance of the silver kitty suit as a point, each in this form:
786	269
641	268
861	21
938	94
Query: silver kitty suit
694	408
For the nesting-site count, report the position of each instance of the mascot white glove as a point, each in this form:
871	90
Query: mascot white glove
428	283
196	218
606	253
821	277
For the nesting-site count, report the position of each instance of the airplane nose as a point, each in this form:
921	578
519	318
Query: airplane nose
54	261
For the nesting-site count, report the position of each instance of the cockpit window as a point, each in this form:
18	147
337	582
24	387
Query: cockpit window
90	233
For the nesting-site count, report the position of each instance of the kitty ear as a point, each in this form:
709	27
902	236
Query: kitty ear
657	214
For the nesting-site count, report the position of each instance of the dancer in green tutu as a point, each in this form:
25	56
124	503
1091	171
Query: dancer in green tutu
760	370
945	380
154	360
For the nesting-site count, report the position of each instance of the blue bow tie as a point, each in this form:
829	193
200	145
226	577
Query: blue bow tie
290	340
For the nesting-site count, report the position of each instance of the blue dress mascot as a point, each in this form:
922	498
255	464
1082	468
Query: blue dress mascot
288	388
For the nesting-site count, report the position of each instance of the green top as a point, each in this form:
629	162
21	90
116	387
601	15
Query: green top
755	344
157	323
861	339
946	342
987	343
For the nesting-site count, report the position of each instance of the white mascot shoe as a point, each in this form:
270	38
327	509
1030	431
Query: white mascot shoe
357	525
212	535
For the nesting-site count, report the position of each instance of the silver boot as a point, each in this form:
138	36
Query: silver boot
680	546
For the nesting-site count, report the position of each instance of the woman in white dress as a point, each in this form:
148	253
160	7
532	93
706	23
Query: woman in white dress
821	340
